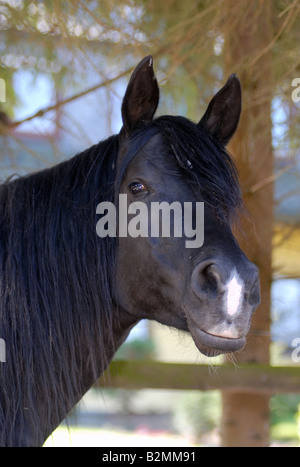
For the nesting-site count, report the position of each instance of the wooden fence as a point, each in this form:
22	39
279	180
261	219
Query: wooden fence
250	378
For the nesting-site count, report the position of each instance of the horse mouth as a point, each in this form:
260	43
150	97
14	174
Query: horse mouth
212	345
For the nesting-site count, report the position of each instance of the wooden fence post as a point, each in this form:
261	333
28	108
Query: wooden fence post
245	420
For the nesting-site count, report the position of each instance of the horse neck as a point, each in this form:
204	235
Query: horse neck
122	324
34	432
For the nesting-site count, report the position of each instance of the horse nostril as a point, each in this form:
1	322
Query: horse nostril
212	278
254	296
207	280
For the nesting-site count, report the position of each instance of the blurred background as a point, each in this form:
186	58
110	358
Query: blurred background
64	67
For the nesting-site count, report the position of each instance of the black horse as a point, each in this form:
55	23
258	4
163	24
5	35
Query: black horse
69	298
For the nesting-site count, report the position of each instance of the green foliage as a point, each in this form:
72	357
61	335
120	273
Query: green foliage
284	407
285	417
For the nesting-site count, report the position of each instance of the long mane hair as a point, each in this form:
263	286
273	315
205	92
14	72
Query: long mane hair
57	277
56	287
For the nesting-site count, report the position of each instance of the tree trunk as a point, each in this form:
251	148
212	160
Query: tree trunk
247	32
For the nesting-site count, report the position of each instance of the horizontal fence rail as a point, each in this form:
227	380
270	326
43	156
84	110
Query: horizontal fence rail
250	378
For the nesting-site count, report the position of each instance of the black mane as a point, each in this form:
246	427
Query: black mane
53	270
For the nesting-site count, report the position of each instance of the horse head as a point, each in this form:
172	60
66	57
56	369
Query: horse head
176	172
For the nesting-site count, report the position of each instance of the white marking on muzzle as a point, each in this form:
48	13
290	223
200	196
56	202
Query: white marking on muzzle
234	294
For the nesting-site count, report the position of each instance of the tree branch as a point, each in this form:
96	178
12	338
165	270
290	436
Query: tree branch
272	178
42	112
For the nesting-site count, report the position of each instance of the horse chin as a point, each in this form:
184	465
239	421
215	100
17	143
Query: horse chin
212	346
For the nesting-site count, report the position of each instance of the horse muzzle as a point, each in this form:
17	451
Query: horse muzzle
223	301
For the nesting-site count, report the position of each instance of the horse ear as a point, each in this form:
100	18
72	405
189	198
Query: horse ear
223	112
141	97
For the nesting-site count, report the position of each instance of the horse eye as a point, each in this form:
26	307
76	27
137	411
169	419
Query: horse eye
137	187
